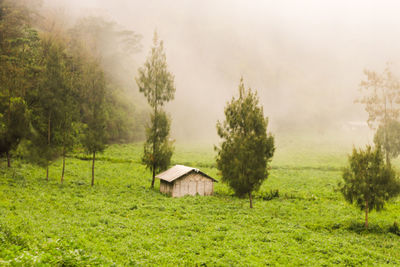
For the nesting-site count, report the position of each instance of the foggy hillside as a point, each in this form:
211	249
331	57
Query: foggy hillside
305	59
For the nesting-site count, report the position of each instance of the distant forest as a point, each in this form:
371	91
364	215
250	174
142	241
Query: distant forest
63	86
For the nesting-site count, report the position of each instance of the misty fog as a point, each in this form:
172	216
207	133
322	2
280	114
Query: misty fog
305	59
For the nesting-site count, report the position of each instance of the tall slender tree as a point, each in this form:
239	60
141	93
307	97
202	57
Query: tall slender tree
381	99
157	84
93	114
46	111
246	148
69	111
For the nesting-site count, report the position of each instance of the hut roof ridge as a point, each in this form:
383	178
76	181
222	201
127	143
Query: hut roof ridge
178	171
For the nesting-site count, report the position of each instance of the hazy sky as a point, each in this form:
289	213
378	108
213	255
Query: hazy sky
305	58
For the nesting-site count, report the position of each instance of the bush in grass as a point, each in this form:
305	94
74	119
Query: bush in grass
395	229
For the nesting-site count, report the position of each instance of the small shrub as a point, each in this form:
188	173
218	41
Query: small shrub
269	195
395	229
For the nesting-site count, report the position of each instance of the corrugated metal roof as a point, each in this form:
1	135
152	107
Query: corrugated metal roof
178	171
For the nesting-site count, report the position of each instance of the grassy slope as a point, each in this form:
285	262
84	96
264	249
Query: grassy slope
122	221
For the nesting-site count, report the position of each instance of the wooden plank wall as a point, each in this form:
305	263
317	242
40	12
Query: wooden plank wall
193	184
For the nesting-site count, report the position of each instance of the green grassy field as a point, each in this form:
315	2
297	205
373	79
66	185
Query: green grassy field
120	221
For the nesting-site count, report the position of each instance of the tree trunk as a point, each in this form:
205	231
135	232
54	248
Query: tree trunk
47	173
8	160
48	143
385	137
251	200
8	123
154	146
63	169
9	106
154	177
94	158
63	151
49	130
387	158
366	214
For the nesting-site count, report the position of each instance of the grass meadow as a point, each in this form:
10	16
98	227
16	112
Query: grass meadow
121	221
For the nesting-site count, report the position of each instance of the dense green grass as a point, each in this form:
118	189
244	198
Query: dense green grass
121	221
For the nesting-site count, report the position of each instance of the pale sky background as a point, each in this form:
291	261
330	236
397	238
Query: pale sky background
305	58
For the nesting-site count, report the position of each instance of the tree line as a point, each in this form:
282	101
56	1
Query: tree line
55	92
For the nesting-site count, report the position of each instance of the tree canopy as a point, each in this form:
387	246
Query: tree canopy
154	80
246	148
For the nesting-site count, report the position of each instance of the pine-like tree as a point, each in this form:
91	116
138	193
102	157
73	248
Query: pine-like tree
246	148
368	182
157	84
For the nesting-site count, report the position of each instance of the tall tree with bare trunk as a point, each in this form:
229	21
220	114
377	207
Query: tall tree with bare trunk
157	84
94	117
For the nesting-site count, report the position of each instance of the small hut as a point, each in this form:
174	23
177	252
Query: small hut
180	180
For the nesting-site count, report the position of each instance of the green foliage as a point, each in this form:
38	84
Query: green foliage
47	105
392	133
122	222
367	182
154	80
269	195
158	149
60	83
121	118
395	229
17	67
247	147
13	124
